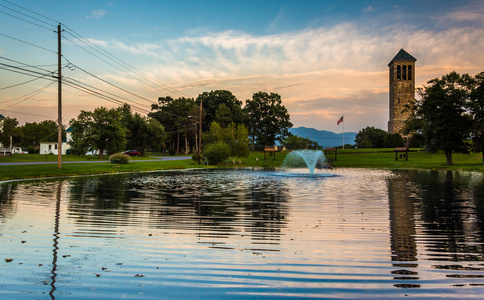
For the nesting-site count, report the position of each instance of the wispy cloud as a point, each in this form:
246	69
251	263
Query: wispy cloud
96	14
320	73
369	9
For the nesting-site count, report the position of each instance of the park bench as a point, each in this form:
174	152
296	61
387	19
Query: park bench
331	150
116	162
401	150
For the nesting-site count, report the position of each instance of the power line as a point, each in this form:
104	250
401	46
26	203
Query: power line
19	40
38	25
100	95
29	114
120	88
31	11
30	95
25	15
141	76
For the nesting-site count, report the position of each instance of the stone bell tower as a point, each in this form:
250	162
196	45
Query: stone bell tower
402	89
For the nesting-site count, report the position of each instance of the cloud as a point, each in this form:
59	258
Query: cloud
320	73
96	14
369	9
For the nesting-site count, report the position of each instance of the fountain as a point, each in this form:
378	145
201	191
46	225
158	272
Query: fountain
305	158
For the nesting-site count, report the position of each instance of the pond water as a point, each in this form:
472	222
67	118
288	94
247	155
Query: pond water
242	234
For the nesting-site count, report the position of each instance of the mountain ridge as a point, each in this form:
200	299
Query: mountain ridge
324	138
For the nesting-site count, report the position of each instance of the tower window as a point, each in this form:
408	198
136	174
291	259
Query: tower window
409	73
404	72
399	73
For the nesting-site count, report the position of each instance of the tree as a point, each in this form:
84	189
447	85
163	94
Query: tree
8	131
370	137
238	138
393	140
267	119
295	142
221	106
34	133
177	116
145	134
442	109
101	129
476	107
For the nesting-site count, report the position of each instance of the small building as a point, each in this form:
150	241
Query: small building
51	147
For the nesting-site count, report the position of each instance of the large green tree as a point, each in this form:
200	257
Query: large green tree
101	129
178	117
145	134
220	106
9	130
442	108
476	108
267	119
370	137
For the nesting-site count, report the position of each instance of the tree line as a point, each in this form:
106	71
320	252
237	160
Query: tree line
171	126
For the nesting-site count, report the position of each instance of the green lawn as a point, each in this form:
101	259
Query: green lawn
348	158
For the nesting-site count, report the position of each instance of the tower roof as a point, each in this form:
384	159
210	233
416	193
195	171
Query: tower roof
402	55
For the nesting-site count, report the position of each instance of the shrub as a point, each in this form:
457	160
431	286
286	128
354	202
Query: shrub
120	156
197	158
216	153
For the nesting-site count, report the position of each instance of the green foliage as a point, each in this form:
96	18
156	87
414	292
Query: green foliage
217	153
235	136
476	108
393	140
268	119
221	106
197	158
34	133
295	142
417	140
123	158
101	129
9	129
180	117
442	108
370	137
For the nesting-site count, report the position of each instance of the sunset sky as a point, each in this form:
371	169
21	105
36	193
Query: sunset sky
325	58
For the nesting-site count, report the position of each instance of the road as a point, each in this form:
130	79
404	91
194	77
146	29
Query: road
158	158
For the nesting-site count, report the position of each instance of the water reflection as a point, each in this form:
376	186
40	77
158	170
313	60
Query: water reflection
241	234
402	231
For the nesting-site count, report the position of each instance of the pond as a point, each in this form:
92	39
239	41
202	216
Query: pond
243	234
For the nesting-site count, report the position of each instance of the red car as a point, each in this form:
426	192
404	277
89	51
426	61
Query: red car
132	153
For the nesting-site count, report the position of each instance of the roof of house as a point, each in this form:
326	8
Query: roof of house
402	55
2	117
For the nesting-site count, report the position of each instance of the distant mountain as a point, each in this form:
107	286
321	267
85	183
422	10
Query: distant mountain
323	137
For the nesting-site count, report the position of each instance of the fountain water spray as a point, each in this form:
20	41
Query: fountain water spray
305	158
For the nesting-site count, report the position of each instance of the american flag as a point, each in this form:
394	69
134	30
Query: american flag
340	120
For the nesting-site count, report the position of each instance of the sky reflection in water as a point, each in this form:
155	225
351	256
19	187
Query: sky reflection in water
242	233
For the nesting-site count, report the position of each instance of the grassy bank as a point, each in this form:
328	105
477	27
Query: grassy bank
71	169
361	158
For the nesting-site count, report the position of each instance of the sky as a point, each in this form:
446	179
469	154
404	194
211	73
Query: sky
324	58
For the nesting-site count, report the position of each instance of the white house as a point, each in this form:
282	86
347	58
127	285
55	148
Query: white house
51	147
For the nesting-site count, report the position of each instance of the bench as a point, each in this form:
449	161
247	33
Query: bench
331	150
115	162
401	150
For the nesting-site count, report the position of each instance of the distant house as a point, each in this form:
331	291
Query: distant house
51	147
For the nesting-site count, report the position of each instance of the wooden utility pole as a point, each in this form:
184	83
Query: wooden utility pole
200	135
59	97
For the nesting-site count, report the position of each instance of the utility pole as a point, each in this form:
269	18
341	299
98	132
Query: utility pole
59	97
200	135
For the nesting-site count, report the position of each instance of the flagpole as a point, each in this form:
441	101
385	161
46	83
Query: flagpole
343	131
